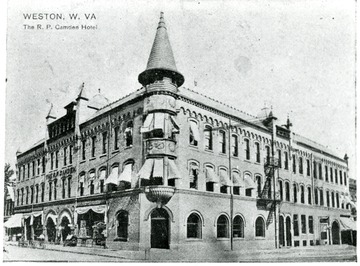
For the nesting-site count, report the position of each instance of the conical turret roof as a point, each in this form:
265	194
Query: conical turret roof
161	59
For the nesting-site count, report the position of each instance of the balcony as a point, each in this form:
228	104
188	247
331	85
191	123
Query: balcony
159	194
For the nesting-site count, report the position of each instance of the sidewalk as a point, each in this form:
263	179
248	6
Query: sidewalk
313	253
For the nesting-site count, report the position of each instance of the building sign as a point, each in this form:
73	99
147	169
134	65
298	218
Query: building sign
66	171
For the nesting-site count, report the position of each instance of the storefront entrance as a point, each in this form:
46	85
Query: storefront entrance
50	230
281	231
28	229
335	231
65	229
288	231
160	229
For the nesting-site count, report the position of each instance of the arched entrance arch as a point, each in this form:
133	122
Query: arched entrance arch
288	231
50	229
65	229
160	229
335	232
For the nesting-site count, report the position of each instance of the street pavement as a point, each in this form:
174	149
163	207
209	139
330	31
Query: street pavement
59	253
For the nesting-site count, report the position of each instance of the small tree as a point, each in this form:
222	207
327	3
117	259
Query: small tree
8	172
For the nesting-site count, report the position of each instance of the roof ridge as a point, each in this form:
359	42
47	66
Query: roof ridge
222	103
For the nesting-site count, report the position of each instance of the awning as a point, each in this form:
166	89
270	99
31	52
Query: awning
126	173
249	182
113	177
153	121
347	223
192	168
82	178
14	221
147	123
158	168
53	217
224	178
36	214
211	176
97	209
146	169
195	130
237	180
102	175
174	171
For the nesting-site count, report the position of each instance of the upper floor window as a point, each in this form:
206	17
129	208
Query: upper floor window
259	227
316	200
28	172
193	175
279	157
194	226
336	176
320	171
257	152
294	163
222	140
247	149
222	227
311	225
42	192
104	142
321	197
333	199
211	178
93	146
33	168
70	154
327	198
296	225
301	165
308	167
65	156
286	160
302	194
309	195
194	135
116	138
208	138
63	185
52	161
314	169
83	149
258	183
43	164
281	190
326	174
287	191
345	181
56	159
235	145
341	180
267	149
303	224
295	192
129	134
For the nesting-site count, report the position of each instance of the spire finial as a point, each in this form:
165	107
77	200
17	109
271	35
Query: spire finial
99	90
162	21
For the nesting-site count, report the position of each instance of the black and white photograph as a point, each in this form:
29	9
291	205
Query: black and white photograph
180	131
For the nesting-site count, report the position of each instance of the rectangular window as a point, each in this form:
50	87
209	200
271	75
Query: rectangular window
296	225
43	165
336	176
321	197
70	154
28	172
55	189
294	164
208	138
116	138
101	185
345	181
234	146
303	224
33	168
331	175
326	174
69	187
56	159
32	195
50	191
286	162
193	133
93	146
104	142
311	225
222	141
37	194
65	156
320	171
83	150
257	151
341	180
42	192
308	167
23	172
314	170
301	165
129	134
63	188
52	161
81	188
247	149
279	156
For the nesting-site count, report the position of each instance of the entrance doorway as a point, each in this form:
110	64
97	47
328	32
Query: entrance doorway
288	231
28	229
335	231
50	230
281	231
160	229
65	227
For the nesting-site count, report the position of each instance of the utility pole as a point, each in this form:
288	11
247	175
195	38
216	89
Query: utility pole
231	193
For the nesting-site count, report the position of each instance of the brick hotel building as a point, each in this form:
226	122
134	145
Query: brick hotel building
166	167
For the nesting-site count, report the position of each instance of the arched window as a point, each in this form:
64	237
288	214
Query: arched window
321	192
295	192
258	184
193	175
194	226
247	149
287	191
234	145
222	141
302	194
260	227
309	195
122	225
208	138
222	227
238	227
129	134
257	151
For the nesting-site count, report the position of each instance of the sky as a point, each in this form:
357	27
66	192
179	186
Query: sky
296	56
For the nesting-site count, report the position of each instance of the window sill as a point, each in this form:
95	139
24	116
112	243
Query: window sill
195	146
128	147
120	239
193	239
223	239
247	161
259	237
239	238
103	155
83	161
208	150
93	158
116	151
